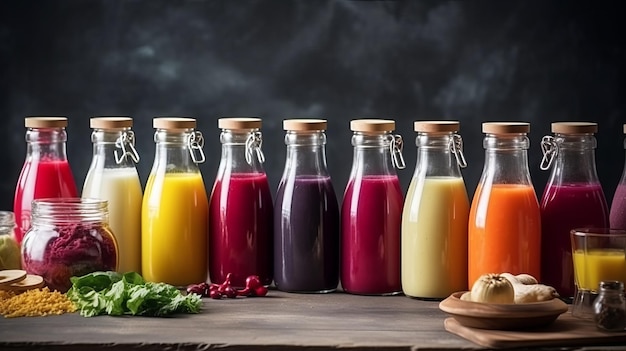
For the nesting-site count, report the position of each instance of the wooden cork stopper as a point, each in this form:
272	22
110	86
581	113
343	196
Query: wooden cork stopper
110	122
239	123
45	122
174	123
574	127
304	124
372	125
506	127
436	126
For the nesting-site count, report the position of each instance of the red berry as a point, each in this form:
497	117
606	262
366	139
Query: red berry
260	291
253	281
230	292
214	294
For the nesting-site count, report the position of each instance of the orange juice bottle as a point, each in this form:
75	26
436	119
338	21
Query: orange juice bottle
504	230
174	213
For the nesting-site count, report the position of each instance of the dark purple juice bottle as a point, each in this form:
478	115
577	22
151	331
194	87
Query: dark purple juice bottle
306	214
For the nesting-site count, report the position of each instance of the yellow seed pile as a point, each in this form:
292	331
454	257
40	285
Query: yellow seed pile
34	302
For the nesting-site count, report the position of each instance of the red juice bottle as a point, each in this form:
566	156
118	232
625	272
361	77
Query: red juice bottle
371	211
46	172
572	198
240	208
617	216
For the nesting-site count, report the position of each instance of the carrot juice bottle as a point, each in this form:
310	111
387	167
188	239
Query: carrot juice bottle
504	230
174	212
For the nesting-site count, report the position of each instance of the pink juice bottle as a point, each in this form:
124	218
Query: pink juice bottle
371	211
46	172
617	216
240	208
572	198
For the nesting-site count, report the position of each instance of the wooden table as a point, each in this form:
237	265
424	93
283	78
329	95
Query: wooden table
279	321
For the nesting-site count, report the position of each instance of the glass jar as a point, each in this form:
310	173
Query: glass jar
609	307
434	219
112	176
241	210
306	213
504	223
174	212
10	256
371	211
46	172
572	198
68	237
617	216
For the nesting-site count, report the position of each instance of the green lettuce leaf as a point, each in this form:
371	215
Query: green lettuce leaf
116	294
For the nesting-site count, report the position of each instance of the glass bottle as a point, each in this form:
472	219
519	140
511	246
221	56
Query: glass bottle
174	212
572	198
617	216
112	176
504	223
371	211
610	307
69	237
434	219
306	213
10	256
46	172
241	210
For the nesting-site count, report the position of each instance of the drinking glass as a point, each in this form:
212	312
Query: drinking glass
597	255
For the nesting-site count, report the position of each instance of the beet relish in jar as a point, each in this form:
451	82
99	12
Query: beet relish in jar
68	237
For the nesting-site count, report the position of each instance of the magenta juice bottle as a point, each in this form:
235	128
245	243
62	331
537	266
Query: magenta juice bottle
306	213
572	198
371	211
617	216
240	207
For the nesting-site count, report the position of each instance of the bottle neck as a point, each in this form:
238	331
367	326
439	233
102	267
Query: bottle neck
306	154
177	151
7	223
573	158
506	159
241	151
376	154
46	144
438	155
114	148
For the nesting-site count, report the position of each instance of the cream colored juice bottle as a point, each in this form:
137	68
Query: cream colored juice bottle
435	215
112	176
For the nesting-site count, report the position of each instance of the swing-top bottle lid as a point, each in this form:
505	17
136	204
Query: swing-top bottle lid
574	127
110	122
239	123
436	126
305	124
372	125
506	127
174	123
45	122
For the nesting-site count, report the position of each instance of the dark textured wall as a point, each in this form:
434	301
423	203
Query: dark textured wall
475	61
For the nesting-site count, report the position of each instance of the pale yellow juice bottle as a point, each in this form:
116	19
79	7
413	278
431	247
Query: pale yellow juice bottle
435	216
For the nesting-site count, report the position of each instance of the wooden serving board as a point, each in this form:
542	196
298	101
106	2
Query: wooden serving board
565	331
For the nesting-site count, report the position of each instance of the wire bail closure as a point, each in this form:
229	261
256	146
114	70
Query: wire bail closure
395	148
126	140
456	146
195	144
253	146
550	150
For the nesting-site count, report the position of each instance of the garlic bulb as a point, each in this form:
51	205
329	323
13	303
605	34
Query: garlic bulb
492	288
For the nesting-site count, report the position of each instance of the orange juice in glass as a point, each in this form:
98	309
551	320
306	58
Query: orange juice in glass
598	254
